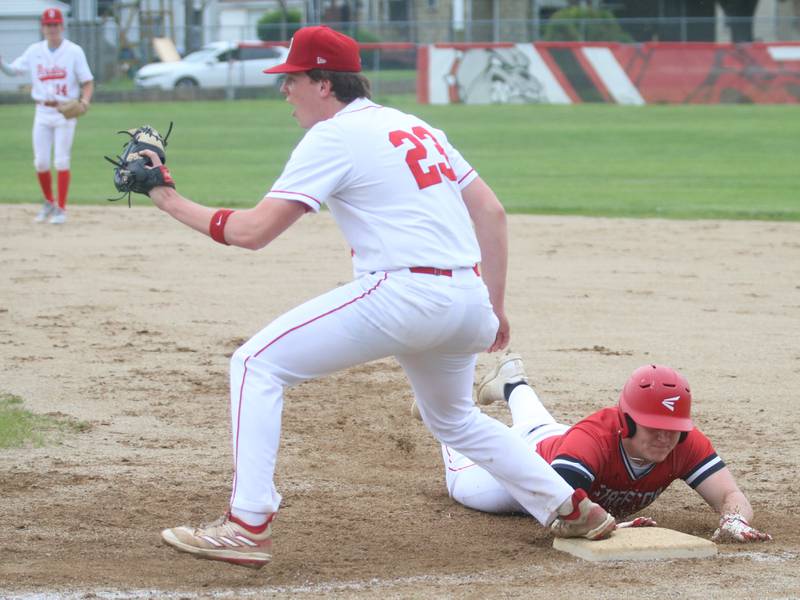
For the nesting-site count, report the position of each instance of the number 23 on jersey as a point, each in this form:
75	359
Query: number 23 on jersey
422	144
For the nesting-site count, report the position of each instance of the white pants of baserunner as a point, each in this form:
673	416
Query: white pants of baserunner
434	326
473	486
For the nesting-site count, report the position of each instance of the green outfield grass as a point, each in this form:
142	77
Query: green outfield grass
729	161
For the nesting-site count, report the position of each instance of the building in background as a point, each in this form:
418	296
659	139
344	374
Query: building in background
117	35
19	28
192	23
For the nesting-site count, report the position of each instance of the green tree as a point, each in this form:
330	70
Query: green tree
278	25
584	24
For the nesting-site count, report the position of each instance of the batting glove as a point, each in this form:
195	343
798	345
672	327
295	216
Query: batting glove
734	528
638	522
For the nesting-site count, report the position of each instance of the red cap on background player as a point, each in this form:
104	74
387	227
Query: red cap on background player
52	16
320	47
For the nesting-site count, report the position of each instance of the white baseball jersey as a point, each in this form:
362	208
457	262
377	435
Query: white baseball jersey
393	213
55	75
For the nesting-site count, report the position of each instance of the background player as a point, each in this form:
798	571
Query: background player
59	72
624	456
406	202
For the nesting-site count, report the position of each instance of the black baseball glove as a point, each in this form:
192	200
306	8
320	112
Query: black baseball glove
134	171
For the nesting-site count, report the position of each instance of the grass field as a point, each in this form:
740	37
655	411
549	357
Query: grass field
20	427
729	161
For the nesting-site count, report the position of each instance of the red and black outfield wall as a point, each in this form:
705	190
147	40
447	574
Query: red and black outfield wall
569	72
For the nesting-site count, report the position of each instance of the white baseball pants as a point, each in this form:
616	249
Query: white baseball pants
434	326
476	487
52	134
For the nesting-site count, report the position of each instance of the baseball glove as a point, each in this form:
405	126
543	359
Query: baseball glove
72	109
134	171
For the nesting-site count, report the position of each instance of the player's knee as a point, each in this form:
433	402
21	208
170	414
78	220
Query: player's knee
452	431
243	360
239	357
40	163
62	164
494	499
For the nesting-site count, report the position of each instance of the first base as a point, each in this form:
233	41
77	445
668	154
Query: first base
639	543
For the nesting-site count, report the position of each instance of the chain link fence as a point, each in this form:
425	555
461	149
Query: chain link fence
115	55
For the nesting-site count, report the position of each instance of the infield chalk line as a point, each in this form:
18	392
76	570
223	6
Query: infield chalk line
491	577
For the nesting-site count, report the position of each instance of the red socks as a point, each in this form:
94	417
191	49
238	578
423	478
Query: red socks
253	528
46	183
577	497
63	188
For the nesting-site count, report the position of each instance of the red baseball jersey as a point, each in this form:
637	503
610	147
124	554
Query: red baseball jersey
592	451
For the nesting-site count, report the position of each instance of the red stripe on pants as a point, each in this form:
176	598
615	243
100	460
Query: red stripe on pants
262	349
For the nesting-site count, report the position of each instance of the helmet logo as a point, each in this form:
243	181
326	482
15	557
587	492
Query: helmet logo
670	402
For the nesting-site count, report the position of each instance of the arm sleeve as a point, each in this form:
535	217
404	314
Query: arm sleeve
701	460
580	458
82	70
575	475
17	66
316	169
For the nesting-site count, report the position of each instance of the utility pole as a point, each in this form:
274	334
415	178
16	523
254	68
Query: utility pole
313	12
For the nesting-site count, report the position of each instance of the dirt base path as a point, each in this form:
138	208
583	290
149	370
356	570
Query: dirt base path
125	320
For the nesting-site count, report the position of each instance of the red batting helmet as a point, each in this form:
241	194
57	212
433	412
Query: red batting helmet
658	397
52	16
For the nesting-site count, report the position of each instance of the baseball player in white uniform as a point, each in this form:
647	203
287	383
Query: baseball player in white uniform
59	72
406	201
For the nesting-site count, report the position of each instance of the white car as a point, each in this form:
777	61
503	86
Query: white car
216	65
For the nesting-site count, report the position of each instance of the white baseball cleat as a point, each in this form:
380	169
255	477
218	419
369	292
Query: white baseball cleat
45	212
509	369
59	216
225	540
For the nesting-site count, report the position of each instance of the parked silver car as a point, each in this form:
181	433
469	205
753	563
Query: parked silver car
216	65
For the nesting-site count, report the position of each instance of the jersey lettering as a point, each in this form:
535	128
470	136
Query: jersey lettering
621	503
419	152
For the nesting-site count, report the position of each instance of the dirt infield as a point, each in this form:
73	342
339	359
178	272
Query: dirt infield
125	320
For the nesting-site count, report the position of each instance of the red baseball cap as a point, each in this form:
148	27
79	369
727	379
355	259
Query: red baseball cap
320	47
52	16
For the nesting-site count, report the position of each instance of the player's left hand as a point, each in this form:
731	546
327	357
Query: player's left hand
734	528
141	168
638	522
72	109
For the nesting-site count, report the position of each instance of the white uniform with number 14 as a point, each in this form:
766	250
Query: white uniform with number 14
56	76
